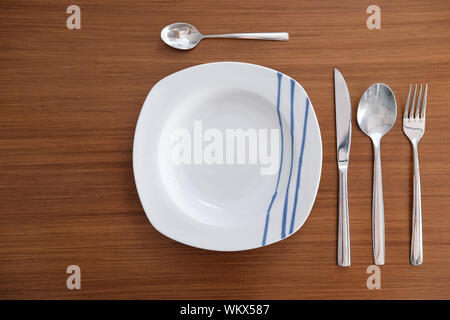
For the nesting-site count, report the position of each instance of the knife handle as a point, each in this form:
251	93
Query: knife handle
343	254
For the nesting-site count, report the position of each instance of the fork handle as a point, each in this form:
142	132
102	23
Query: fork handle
416	236
377	208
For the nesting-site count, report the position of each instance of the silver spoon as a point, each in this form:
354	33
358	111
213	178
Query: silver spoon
185	36
377	111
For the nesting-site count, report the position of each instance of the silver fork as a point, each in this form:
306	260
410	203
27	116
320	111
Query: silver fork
414	128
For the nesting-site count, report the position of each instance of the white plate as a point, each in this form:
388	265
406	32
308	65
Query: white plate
210	193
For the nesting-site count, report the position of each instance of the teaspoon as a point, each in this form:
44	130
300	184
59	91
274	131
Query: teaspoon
185	36
376	115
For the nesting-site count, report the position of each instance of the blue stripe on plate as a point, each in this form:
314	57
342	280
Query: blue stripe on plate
300	162
286	198
279	75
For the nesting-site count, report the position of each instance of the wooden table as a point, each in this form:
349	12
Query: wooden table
69	101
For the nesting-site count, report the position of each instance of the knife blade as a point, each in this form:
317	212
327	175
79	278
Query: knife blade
343	111
343	117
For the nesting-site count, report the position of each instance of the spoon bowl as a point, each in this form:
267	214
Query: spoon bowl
180	35
377	110
376	115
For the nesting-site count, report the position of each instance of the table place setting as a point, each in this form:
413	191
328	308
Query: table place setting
239	152
222	155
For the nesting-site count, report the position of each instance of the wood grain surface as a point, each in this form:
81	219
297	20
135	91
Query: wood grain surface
69	102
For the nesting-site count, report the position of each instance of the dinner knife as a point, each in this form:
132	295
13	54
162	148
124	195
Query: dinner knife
343	139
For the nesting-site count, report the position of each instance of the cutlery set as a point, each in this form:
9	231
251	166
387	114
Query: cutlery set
377	111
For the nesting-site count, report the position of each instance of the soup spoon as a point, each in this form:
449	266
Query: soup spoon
376	115
185	36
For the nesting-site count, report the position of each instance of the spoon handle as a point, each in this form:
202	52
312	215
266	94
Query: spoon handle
377	208
280	36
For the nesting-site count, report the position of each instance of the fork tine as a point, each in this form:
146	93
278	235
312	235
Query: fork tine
424	104
411	113
419	97
405	114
